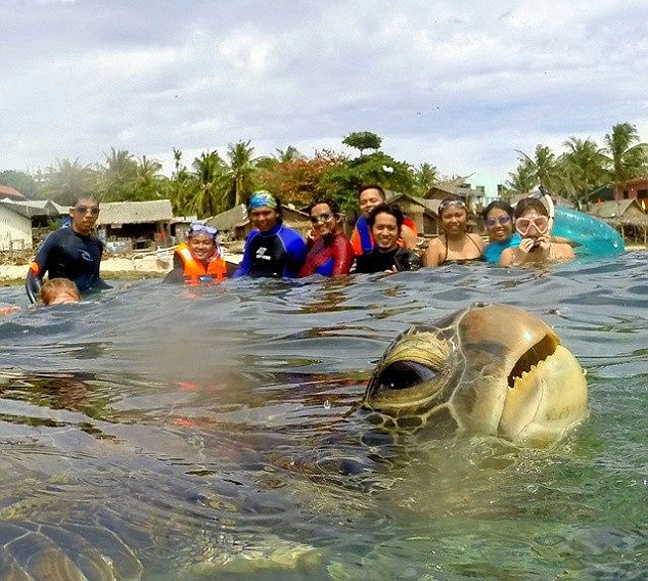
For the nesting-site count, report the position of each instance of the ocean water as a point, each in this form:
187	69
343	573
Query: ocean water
158	432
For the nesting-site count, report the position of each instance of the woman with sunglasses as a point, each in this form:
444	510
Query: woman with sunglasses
498	217
455	245
199	260
330	252
533	223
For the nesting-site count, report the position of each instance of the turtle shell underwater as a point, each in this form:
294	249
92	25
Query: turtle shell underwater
488	369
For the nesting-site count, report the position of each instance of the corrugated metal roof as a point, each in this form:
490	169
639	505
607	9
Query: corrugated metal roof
36	208
135	212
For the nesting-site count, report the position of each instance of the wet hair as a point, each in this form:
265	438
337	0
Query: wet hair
530	204
373	187
500	205
332	204
452	200
51	289
390	209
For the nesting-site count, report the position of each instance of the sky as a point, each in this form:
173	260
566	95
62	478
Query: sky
459	84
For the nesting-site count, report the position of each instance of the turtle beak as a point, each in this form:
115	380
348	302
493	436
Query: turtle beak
532	357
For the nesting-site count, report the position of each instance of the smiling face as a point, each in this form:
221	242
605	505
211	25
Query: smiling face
498	225
385	232
202	246
454	220
369	199
324	221
84	215
263	218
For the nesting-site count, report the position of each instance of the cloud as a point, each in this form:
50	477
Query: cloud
459	84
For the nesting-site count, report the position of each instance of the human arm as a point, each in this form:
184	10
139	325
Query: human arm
343	256
296	250
409	237
38	268
433	252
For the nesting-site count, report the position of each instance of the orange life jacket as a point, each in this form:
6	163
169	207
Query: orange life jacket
194	269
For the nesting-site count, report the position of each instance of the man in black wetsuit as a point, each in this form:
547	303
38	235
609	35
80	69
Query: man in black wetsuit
70	252
385	222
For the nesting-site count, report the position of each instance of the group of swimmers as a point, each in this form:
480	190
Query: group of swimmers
383	240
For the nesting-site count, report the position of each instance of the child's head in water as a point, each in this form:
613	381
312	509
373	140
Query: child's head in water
58	291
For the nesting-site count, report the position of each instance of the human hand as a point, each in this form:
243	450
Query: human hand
529	245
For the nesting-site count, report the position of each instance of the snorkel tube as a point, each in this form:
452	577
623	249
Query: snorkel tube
593	237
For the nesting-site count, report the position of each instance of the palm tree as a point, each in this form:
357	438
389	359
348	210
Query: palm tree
210	179
625	159
583	169
239	172
148	182
523	180
119	176
543	167
66	180
425	176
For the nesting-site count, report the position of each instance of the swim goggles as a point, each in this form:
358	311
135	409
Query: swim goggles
202	228
445	204
501	220
322	218
541	224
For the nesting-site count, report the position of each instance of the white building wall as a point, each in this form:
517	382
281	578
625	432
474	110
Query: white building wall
15	231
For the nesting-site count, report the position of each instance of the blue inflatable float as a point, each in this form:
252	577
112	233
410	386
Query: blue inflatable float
592	236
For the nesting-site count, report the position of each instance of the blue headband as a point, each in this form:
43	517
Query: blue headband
262	199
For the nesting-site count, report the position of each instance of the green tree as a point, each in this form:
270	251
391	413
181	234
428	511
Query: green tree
21	181
149	184
64	181
239	173
210	185
543	167
363	140
581	169
181	187
425	176
119	176
626	157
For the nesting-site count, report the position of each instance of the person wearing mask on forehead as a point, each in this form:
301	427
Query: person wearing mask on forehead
361	238
386	222
498	217
330	252
271	249
70	252
533	224
199	260
455	245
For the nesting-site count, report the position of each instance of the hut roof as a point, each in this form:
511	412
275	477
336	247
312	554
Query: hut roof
11	193
35	208
135	212
620	212
430	206
225	221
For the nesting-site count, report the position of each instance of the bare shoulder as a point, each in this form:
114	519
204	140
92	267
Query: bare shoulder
477	239
434	251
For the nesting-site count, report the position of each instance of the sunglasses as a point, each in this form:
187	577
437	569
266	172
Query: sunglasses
201	228
94	210
324	217
501	220
523	225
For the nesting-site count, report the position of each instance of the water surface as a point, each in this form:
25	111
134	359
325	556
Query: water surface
172	430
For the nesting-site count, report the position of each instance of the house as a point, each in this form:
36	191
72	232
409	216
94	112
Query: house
473	197
15	229
9	193
40	214
227	221
627	216
424	212
634	189
144	224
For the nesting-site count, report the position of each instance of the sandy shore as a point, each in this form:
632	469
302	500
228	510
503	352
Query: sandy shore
137	266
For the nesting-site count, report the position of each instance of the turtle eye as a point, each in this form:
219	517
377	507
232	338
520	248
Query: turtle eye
403	375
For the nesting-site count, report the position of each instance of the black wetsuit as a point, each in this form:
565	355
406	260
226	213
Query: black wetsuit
376	261
67	254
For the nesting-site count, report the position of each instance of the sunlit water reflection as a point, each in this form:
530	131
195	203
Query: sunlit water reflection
171	430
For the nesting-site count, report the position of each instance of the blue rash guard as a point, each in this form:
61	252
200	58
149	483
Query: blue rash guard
493	251
279	252
67	254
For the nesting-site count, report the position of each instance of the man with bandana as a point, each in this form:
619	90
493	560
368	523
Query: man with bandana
271	249
70	252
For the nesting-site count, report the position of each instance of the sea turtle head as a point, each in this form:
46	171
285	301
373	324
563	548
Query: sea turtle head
490	369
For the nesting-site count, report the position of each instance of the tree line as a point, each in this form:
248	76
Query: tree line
212	183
